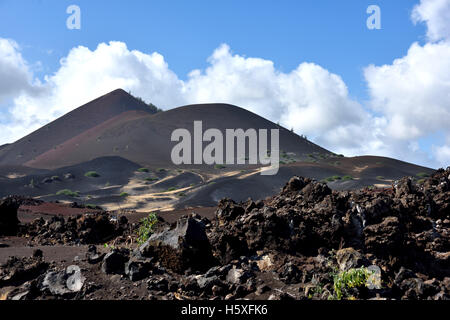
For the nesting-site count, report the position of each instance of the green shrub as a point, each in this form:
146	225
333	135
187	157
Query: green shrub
219	166
420	181
171	189
151	179
161	170
346	280
146	227
143	170
67	192
422	174
380	178
336	177
124	194
181	194
91	174
347	178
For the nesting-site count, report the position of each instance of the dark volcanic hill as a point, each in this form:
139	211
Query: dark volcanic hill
115	104
117	135
118	124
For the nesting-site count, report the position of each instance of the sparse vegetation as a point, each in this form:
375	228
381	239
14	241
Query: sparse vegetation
347	178
181	194
422	175
346	280
172	189
91	174
152	107
219	166
143	170
146	227
151	179
161	170
380	178
67	192
335	178
124	194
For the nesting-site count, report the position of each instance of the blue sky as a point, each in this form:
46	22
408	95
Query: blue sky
329	34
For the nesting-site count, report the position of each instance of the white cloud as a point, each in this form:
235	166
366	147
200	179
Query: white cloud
413	93
436	14
309	99
442	154
15	76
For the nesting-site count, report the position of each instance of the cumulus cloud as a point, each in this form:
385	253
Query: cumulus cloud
436	14
15	75
309	99
413	93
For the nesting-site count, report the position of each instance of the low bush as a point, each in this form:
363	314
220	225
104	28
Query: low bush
67	192
353	278
146	226
91	174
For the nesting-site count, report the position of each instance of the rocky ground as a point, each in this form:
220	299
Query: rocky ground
307	242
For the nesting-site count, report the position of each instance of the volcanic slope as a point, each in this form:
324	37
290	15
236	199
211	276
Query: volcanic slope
129	146
102	111
145	138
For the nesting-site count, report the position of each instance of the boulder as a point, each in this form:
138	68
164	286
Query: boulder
8	216
238	276
296	184
185	246
349	258
138	268
19	270
114	262
384	237
93	257
64	282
